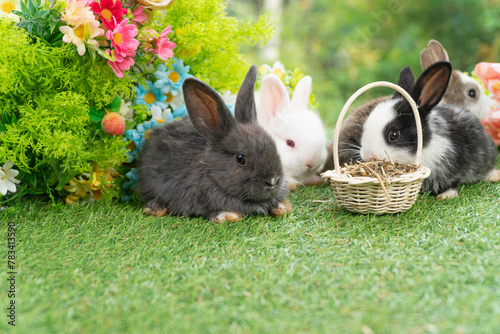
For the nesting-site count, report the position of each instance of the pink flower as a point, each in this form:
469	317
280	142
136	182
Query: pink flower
122	38
110	11
489	74
492	124
139	15
163	46
120	63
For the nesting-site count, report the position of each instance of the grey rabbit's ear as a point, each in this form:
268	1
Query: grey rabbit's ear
244	110
431	86
406	81
207	111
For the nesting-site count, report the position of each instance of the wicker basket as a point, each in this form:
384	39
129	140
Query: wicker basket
366	194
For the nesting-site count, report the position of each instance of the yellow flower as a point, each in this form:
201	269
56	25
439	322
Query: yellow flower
77	188
6	8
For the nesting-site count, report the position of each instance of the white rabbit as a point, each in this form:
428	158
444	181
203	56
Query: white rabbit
298	131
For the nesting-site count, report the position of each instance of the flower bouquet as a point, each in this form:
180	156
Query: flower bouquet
84	82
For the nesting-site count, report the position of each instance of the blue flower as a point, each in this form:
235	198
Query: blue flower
230	106
131	182
170	80
180	112
139	135
150	97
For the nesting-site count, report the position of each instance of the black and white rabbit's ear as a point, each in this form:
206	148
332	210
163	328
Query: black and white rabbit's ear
207	111
431	86
406	81
244	109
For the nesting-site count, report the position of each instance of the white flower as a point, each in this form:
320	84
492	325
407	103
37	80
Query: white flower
278	69
155	4
228	97
161	116
6	8
175	101
8	179
127	112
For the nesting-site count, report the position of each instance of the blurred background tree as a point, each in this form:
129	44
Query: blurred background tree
344	45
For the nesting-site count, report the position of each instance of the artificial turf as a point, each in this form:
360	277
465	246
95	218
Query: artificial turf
104	267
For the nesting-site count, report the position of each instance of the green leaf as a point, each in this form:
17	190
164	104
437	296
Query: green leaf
18	13
32	8
52	26
105	55
24	8
96	115
41	14
63	180
129	125
92	54
29	27
115	104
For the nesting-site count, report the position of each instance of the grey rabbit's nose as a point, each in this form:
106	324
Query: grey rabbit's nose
272	181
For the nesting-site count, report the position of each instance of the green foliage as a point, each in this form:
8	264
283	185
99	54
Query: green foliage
45	97
208	40
40	22
56	138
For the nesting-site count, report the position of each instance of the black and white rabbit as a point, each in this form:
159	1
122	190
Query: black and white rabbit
462	91
455	146
213	165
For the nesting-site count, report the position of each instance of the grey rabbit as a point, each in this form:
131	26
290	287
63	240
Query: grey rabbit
212	164
455	146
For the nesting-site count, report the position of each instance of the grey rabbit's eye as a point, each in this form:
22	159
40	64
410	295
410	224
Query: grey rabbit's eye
394	135
472	93
241	159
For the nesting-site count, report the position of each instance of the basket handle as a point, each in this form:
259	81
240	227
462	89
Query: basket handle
351	100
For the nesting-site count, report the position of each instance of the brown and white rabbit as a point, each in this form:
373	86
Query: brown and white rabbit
213	165
298	131
455	146
462	90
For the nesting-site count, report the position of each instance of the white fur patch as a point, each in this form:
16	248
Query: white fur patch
450	193
492	176
440	149
480	106
373	144
227	216
306	129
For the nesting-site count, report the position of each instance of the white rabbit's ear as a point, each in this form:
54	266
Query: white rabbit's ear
300	98
274	99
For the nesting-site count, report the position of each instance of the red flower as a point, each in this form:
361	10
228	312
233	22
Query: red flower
111	12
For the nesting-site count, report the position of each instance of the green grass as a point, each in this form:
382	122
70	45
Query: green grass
107	268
